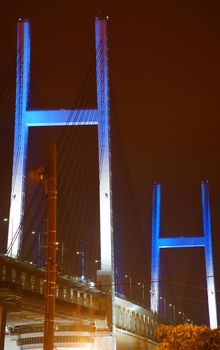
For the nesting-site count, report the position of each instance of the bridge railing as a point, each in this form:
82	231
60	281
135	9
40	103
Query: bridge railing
135	319
24	276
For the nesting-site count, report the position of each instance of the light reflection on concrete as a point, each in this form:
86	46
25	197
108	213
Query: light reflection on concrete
129	342
125	341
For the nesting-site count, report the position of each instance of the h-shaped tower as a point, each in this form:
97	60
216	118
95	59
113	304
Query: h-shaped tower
205	241
25	118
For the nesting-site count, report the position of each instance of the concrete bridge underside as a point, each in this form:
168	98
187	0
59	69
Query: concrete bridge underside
81	311
125	341
32	313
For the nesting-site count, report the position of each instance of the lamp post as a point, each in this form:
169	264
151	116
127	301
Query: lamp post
62	255
4	225
174	312
182	315
82	254
130	281
143	291
189	320
98	261
4	221
38	246
164	307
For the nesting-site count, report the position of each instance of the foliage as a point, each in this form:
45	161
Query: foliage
187	337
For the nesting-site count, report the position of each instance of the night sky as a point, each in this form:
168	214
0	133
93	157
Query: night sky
164	101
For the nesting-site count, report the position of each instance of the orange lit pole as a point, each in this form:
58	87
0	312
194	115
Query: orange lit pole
2	326
50	294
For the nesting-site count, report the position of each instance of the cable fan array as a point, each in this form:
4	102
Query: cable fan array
78	222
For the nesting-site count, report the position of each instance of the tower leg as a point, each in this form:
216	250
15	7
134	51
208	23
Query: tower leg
106	274
155	252
20	138
206	214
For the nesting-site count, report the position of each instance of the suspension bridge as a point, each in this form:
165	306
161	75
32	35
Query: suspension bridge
88	314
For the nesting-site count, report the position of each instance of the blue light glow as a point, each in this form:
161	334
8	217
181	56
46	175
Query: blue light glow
155	252
210	281
183	242
25	118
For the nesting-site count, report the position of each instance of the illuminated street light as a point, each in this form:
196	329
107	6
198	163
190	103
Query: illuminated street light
39	245
164	307
130	281
99	261
143	290
183	316
82	254
174	312
189	320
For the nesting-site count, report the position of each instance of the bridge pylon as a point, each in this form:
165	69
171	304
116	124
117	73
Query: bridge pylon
26	117
204	241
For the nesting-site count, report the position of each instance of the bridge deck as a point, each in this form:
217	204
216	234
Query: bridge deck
77	303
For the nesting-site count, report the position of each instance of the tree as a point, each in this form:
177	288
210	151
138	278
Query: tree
187	337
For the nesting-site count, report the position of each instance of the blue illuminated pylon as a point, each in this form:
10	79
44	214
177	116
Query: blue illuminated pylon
25	118
183	242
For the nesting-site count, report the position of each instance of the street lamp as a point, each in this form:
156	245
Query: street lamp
183	316
143	291
189	320
3	229
82	254
38	245
61	244
164	307
174	312
130	281
100	261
